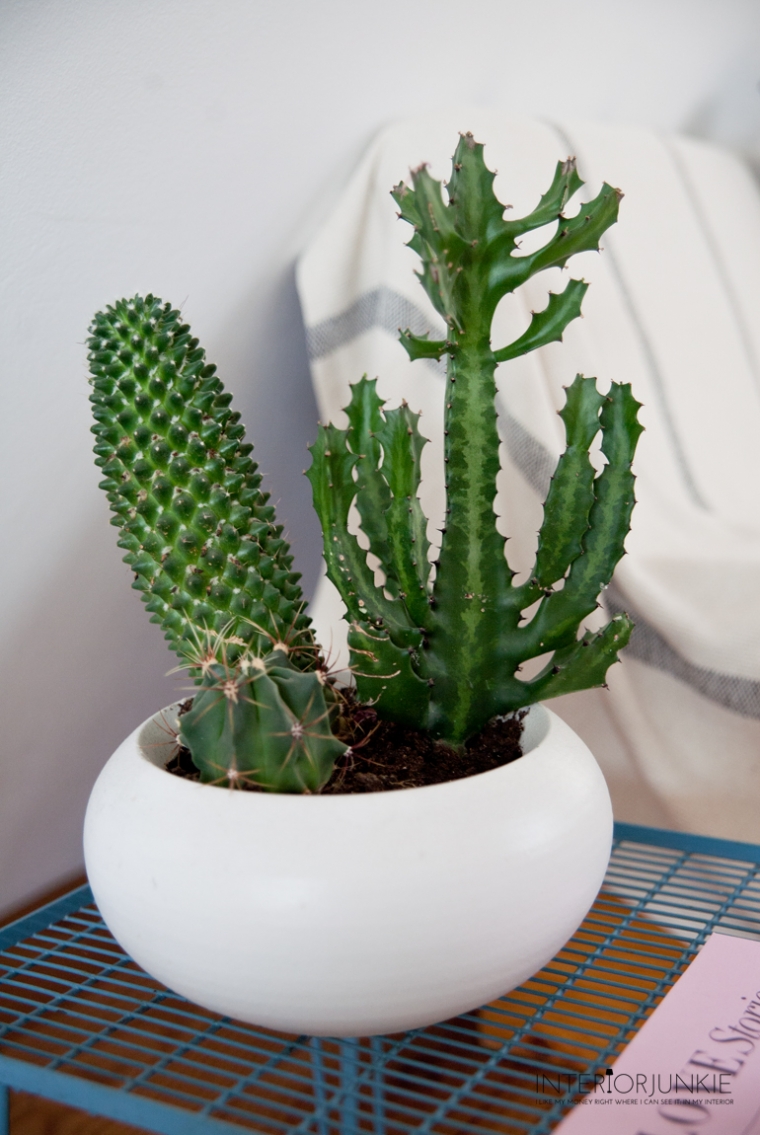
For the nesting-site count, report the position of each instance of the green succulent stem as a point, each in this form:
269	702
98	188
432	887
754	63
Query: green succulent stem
473	594
445	654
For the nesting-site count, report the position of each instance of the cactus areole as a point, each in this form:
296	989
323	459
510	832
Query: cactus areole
438	647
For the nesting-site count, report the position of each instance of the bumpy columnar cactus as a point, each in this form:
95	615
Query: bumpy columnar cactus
197	529
445	655
206	552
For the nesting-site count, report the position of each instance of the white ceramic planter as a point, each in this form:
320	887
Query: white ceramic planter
348	915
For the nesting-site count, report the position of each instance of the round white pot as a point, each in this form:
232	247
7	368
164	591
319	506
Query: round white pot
348	915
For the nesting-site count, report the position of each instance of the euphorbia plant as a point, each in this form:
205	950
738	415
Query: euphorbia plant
437	647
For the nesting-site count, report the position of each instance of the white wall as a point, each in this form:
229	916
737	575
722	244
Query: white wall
188	147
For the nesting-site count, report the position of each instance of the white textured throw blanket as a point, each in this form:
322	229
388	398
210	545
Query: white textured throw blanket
674	309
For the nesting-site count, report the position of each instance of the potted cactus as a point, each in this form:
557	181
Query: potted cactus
338	913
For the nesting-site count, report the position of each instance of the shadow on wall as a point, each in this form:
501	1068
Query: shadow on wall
85	666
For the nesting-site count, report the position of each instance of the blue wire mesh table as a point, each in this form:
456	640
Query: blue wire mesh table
81	1024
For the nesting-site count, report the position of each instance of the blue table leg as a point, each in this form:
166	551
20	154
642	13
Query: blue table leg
5	1117
349	1072
376	1047
320	1086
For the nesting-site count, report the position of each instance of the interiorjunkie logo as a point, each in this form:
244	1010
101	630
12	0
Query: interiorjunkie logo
693	1068
605	1087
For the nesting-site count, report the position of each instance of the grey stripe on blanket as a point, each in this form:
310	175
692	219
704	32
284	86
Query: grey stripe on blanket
741	695
381	307
388	310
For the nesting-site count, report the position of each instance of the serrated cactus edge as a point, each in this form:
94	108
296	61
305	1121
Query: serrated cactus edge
442	649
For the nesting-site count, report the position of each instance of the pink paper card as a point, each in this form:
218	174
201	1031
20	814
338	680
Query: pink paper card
694	1066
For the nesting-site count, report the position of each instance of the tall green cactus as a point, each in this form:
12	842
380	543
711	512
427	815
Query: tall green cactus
198	531
445	655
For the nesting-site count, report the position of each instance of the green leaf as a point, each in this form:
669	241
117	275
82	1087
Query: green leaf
435	240
547	326
580	233
582	665
420	346
565	184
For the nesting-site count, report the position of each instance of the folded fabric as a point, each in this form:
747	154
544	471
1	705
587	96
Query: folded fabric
673	309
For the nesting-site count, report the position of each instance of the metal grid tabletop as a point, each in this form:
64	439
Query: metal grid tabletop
80	1023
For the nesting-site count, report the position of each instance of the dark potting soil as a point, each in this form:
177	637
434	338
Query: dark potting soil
386	756
383	756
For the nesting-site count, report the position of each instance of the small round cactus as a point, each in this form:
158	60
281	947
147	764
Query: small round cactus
259	722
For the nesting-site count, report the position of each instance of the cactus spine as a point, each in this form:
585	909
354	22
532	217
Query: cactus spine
445	655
